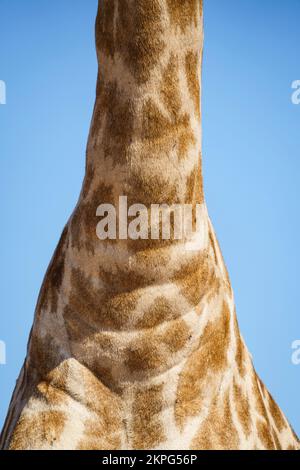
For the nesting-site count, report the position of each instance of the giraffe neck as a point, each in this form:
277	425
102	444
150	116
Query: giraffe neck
145	138
145	144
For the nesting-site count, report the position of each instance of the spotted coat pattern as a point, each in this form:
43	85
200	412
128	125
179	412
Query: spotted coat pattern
135	344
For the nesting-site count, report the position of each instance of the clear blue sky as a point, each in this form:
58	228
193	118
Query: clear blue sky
251	164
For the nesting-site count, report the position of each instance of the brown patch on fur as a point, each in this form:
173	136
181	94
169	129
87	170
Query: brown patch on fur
265	436
212	244
48	298
260	404
44	429
76	325
240	349
204	439
147	427
117	113
104	374
226	280
276	414
160	311
176	131
184	12
194	186
197	279
190	187
84	221
105	27
151	189
97	437
111	306
170	88
145	354
176	335
139	36
264	428
186	139
45	354
99	113
192	74
218	430
228	434
84	301
199	189
243	408
203	366
119	116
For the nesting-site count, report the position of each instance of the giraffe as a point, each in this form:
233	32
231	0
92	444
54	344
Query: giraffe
135	343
